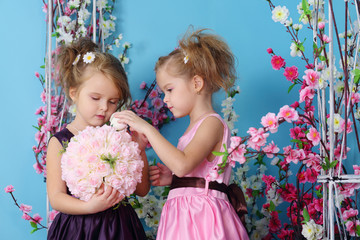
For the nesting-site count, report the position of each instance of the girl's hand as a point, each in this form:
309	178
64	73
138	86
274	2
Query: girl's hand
160	175
104	199
141	139
134	121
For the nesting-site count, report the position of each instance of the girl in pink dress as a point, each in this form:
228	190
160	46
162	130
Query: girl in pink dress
197	208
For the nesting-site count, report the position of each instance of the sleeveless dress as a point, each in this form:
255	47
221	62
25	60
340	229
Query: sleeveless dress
120	224
200	213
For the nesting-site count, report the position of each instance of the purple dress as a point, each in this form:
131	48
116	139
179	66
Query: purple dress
119	224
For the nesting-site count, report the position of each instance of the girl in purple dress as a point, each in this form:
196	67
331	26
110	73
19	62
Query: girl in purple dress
97	84
197	207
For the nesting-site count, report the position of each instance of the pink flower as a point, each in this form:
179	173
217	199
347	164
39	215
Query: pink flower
36	218
291	73
237	150
274	223
321	25
37	74
270	121
307	92
355	98
9	189
270	149
326	39
153	94
277	62
52	215
311	78
143	85
268	180
293	155
37	168
314	136
96	155
157	103
356	169
258	138
269	51
351	227
350	213
26	216
289	114
25	208
348	189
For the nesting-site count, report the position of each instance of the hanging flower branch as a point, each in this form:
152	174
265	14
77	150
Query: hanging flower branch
310	153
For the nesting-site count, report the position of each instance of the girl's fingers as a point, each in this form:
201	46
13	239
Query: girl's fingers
154	177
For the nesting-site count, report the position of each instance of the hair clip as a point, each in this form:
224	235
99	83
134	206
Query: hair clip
76	59
89	57
186	58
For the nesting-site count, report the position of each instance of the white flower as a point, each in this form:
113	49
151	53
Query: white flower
101	3
322	82
275	161
84	14
280	14
89	57
311	230
126	45
117	42
73	4
357	113
315	2
338	121
123	59
339	88
63	20
115	124
289	23
120	37
295	51
297	27
308	230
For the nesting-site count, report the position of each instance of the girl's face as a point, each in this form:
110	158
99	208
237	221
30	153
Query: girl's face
179	93
96	100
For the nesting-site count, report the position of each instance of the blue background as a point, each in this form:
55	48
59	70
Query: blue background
153	28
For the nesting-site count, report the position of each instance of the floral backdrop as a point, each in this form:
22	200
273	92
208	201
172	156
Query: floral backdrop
291	200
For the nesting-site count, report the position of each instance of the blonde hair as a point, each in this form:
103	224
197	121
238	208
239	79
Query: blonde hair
208	56
72	73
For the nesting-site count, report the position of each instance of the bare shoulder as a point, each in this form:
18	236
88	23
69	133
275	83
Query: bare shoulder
54	147
211	126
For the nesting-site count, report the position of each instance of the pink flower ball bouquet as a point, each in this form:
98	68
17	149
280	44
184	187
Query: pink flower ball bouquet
101	155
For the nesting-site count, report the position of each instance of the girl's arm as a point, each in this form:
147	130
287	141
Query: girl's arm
207	139
57	191
144	186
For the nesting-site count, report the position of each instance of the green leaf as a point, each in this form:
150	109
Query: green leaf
272	206
333	164
218	153
356	73
42	66
291	87
358	230
306	215
322	58
34	225
34	230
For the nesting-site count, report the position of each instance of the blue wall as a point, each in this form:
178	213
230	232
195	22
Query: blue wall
153	29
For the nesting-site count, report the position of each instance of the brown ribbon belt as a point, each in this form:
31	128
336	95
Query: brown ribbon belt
233	191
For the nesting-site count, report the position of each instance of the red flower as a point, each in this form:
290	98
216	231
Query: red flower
277	62
291	73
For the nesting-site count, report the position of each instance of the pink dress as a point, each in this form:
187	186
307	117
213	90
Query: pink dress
198	213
